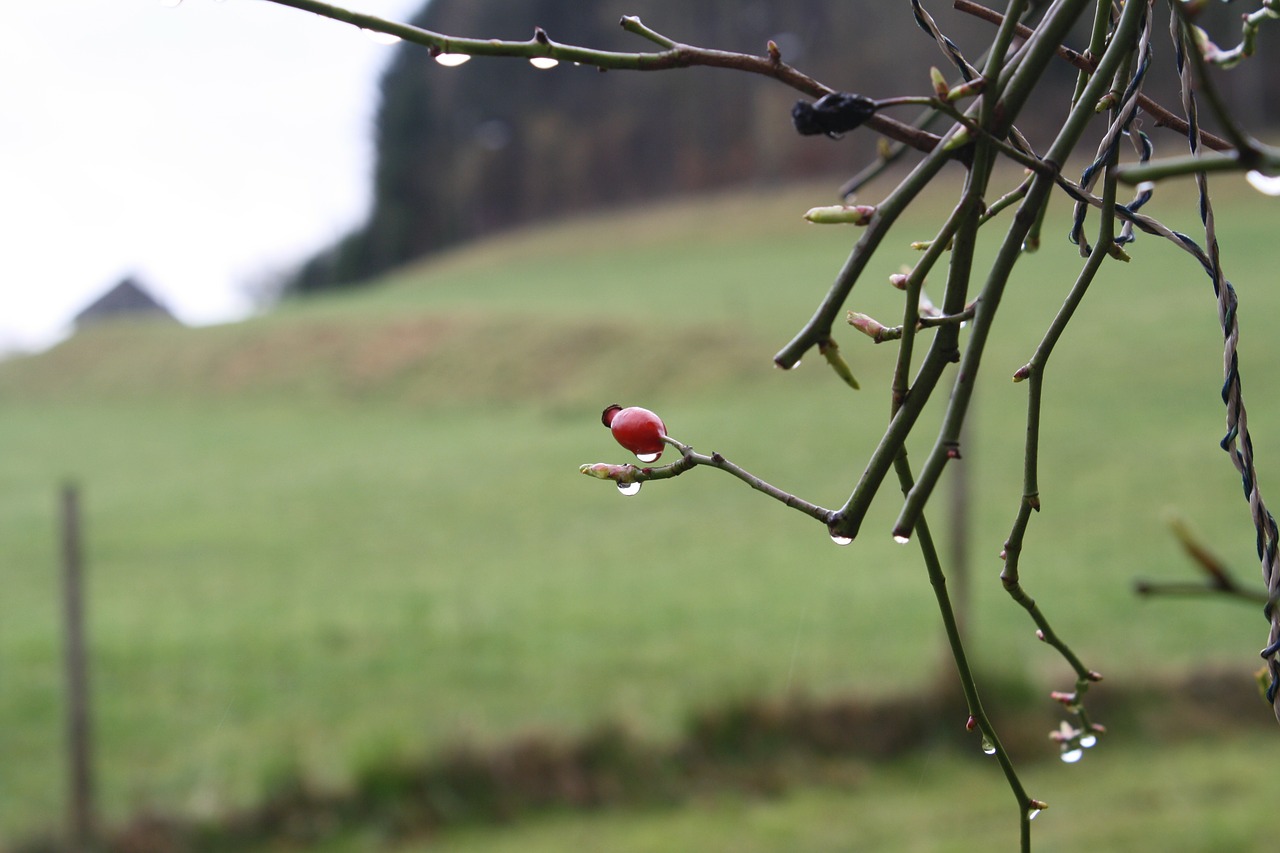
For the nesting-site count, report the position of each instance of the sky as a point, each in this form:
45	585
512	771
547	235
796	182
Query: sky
202	147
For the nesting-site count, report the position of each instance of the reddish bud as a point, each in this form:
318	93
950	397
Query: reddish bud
638	430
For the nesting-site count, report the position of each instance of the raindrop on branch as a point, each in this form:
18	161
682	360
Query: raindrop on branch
900	539
988	747
452	60
840	540
379	37
543	62
648	457
1088	741
1071	756
629	489
1263	184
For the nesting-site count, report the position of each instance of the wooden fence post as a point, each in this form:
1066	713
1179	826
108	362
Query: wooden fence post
79	743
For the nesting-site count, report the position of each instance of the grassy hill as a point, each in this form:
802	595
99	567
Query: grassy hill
355	526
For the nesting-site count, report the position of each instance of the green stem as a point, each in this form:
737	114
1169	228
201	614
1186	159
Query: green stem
1118	50
968	684
818	329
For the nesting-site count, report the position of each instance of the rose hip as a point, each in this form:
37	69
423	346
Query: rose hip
638	430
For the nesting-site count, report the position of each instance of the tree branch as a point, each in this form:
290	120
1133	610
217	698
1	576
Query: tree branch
627	474
673	55
1163	116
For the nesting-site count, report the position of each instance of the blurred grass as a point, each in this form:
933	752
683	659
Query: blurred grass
355	525
1196	798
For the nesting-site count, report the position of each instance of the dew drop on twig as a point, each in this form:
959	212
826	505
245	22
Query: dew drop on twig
1088	741
452	60
900	539
648	457
543	62
1263	184
1032	812
840	540
380	38
629	489
1071	756
988	747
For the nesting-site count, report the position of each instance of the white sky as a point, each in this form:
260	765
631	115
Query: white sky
200	147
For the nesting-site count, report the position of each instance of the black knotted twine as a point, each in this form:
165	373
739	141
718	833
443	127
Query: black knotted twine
833	114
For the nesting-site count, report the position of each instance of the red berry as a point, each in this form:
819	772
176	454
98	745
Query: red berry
638	430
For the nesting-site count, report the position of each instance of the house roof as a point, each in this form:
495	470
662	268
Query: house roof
127	299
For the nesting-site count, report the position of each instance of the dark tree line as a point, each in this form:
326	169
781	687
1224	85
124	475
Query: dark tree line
466	151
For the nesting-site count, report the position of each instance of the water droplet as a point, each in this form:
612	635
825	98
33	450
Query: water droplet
900	539
648	457
452	60
988	747
629	489
543	62
380	38
840	540
1088	741
1032	812
1071	756
1263	184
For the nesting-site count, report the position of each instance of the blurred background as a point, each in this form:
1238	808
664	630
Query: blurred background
319	331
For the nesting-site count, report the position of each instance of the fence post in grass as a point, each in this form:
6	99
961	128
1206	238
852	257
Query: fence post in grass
80	812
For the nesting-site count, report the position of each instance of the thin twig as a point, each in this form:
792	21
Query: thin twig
628	473
673	55
1163	117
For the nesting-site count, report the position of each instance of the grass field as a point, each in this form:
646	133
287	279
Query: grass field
355	526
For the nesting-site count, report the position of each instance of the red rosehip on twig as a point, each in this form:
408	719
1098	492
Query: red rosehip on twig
638	430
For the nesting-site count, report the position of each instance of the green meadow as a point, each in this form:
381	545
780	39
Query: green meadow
354	527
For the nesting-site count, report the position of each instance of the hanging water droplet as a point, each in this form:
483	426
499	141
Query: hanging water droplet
1071	756
380	38
841	540
629	489
648	457
452	60
1263	184
900	539
1032	812
987	746
1088	741
543	62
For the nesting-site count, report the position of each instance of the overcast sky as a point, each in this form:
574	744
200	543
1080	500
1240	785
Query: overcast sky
200	147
